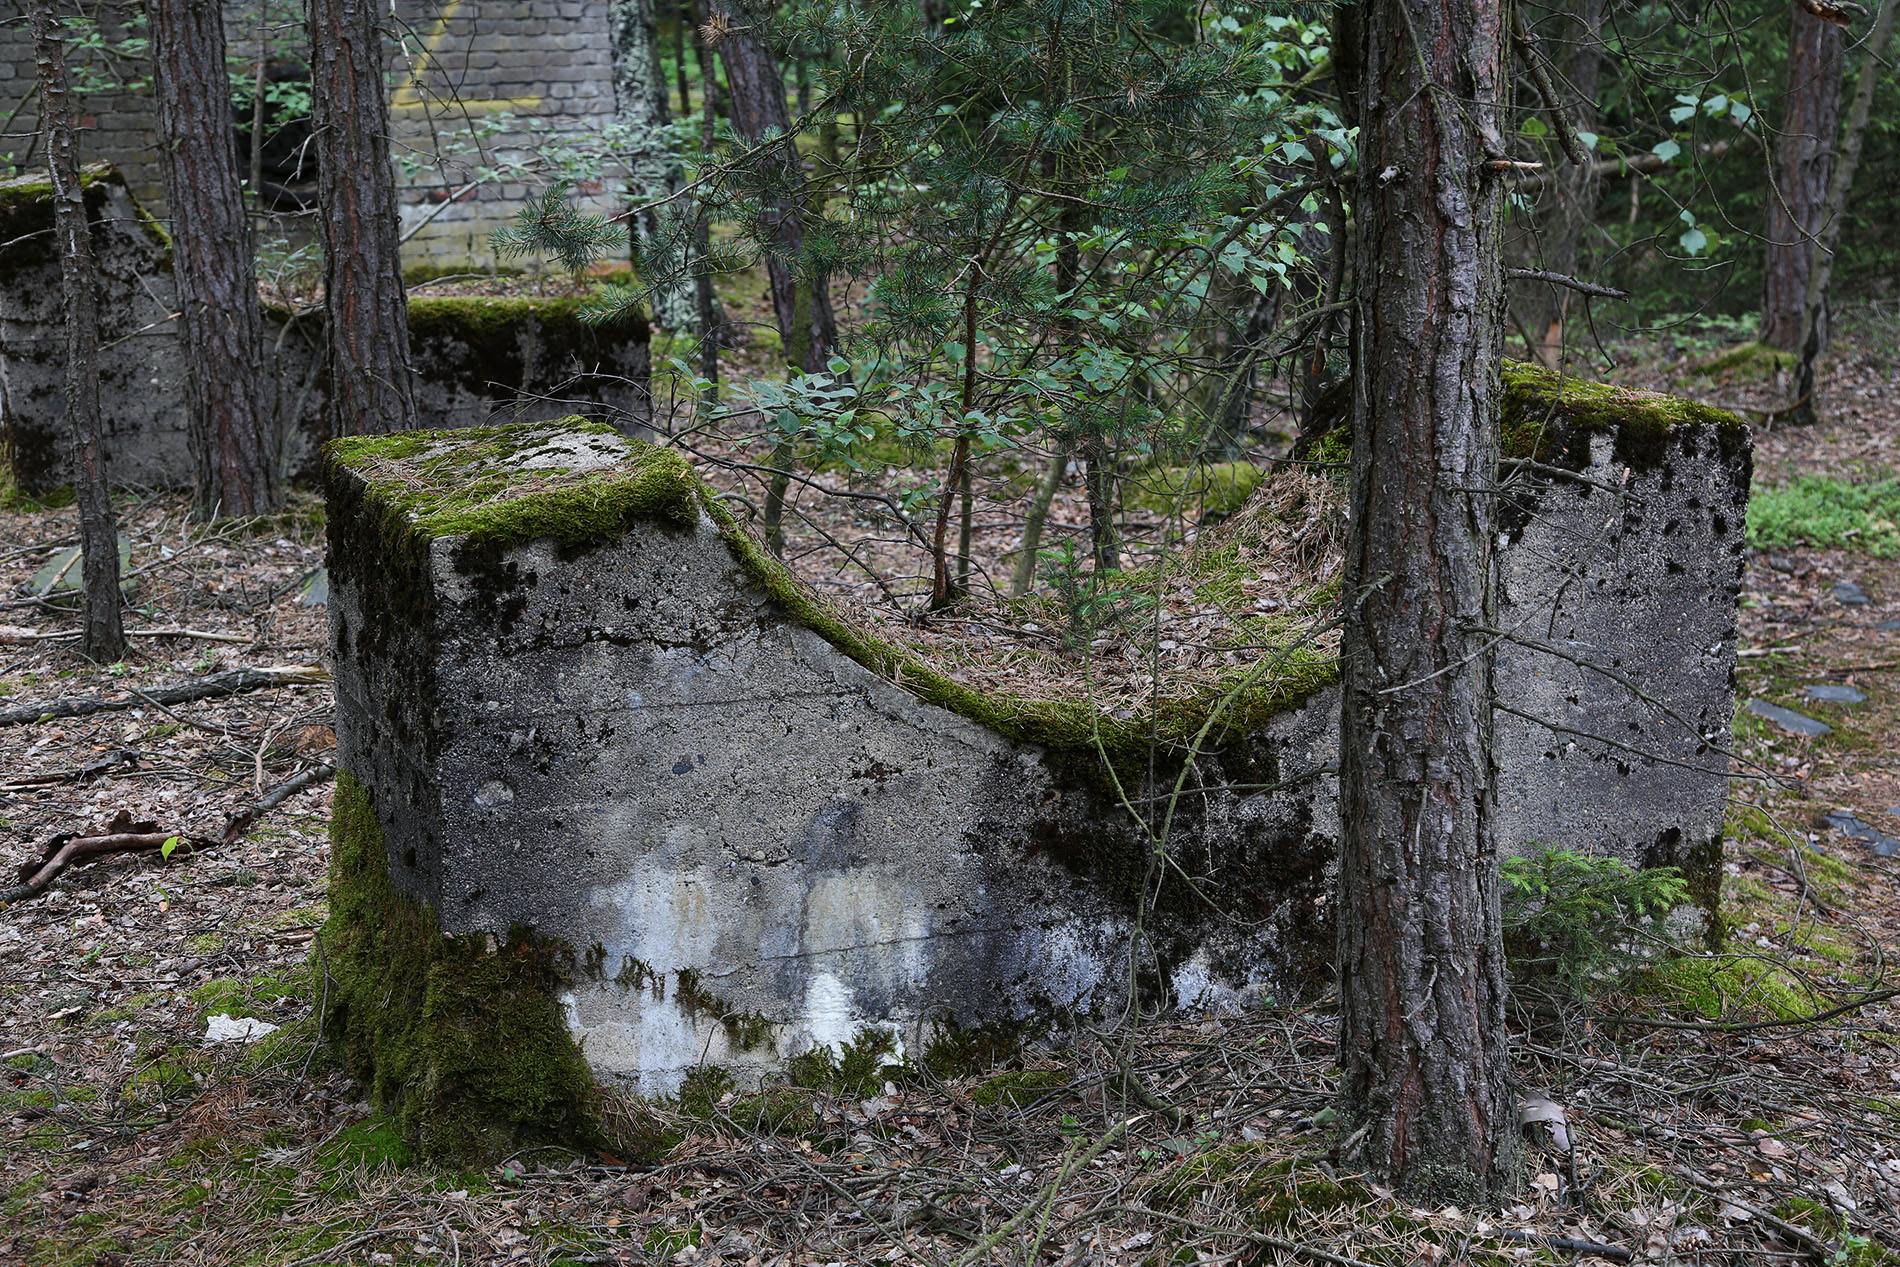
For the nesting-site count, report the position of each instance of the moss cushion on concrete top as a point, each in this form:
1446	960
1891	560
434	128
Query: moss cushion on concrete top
579	483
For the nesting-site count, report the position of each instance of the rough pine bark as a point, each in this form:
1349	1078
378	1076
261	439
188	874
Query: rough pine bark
102	632
756	102
640	93
1804	158
1814	326
371	387
233	438
1426	1101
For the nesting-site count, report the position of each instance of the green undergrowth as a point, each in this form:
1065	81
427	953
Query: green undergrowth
458	1038
1748	360
1020	1088
1274	1191
1205	491
1827	513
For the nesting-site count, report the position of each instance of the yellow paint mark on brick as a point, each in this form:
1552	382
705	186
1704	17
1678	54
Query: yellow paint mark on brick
409	97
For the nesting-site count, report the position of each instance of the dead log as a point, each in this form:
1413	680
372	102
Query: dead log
212	686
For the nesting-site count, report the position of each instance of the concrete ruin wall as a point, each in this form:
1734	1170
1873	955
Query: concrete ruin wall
760	833
458	68
476	360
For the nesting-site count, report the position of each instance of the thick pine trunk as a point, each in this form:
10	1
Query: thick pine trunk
1804	157
233	438
1425	1089
102	633
371	388
757	103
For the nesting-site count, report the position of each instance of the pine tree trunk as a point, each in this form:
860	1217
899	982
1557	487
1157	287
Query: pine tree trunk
1814	325
102	633
640	100
711	315
1804	156
1573	186
233	437
371	387
1425	1094
758	103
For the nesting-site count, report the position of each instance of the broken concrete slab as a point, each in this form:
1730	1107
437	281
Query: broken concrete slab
1847	824
1788	719
477	360
1848	594
1830	693
577	702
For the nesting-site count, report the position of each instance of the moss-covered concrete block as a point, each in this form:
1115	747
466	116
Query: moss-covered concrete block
141	366
586	713
477	360
582	702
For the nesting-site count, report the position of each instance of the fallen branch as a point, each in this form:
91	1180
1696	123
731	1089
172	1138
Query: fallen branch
1564	279
240	823
121	835
76	774
10	633
211	687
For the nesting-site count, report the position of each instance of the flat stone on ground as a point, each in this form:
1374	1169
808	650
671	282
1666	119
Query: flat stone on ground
1829	693
1788	719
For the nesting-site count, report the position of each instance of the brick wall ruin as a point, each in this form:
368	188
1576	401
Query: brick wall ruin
471	82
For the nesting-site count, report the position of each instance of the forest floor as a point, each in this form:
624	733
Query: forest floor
1719	1113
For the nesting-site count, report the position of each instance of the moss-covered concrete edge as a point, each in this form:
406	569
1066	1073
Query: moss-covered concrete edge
658	484
461	1039
26	205
1541	409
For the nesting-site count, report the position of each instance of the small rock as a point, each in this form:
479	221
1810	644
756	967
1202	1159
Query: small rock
63	575
1782	563
1831	694
316	589
1883	845
1849	593
1788	719
1888	626
223	1028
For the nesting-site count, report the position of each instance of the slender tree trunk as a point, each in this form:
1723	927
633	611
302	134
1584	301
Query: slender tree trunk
1425	1089
1574	187
101	635
711	317
371	387
640	100
1024	575
1804	155
757	104
1814	323
682	18
233	439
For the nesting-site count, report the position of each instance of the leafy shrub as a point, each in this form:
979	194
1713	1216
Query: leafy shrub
1580	921
1819	511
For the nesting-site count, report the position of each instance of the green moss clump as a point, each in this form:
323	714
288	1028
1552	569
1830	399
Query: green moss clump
1020	1088
1274	1192
467	483
1540	406
1206	490
1749	358
458	1038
